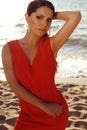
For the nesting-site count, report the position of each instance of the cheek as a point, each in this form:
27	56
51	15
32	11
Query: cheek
33	23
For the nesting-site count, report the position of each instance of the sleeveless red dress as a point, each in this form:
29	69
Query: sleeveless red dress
38	78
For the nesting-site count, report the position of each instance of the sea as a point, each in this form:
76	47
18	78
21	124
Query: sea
72	57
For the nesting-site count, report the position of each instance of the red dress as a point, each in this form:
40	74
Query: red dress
38	78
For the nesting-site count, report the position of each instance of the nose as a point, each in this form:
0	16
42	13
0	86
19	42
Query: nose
44	23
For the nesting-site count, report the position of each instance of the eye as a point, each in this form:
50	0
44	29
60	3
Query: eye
49	20
39	17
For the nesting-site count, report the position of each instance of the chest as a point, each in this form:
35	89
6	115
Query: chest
30	53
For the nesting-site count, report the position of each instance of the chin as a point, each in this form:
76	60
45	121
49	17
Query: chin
39	35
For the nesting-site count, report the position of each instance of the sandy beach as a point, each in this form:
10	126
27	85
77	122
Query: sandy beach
75	94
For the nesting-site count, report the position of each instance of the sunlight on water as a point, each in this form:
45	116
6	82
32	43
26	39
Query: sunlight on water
73	58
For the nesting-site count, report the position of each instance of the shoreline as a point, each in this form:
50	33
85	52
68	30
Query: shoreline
76	81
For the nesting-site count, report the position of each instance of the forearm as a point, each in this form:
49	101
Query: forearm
26	95
52	109
66	15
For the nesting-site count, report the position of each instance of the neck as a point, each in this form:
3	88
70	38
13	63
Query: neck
32	39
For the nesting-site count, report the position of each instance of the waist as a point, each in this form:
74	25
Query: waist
34	114
56	97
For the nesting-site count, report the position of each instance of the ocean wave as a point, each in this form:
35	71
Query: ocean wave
20	25
77	41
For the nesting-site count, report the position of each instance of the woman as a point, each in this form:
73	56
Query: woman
30	66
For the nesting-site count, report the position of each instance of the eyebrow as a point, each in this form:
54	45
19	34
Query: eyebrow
44	16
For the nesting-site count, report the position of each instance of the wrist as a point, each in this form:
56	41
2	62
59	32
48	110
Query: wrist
55	16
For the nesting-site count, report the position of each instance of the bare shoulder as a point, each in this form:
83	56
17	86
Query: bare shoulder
6	56
5	48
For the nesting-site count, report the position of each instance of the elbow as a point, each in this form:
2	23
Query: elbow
78	15
14	86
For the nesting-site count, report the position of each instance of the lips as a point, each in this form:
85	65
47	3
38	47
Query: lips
42	30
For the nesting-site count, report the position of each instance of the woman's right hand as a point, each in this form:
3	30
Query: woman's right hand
52	109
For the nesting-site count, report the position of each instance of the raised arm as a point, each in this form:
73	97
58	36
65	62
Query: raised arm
71	19
52	109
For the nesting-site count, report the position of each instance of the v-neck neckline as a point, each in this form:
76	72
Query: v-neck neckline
31	64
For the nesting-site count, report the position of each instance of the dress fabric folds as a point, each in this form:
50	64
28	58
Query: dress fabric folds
38	78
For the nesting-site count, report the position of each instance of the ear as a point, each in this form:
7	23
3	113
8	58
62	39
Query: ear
26	17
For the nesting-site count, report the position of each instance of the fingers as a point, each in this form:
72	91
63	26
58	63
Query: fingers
60	108
58	111
53	109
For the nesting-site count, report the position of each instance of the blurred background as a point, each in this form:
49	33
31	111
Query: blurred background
72	57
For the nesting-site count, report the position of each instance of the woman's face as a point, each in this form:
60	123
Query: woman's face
39	22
